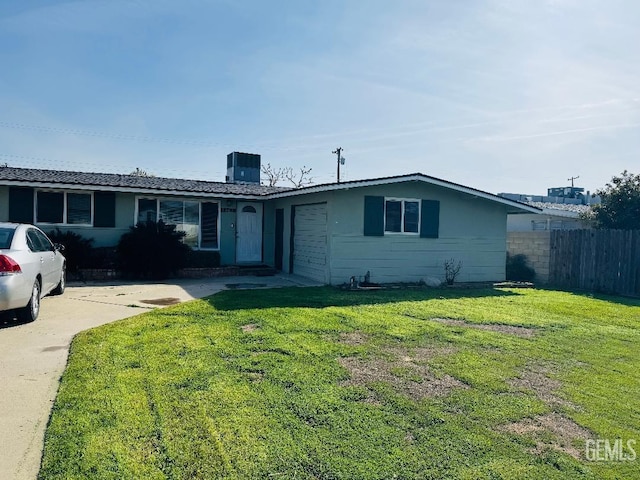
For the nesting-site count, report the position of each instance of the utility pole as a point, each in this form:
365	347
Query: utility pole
572	179
338	152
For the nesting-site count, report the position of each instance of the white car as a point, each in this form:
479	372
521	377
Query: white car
31	266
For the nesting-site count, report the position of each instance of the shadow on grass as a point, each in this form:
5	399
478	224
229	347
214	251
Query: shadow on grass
321	297
605	297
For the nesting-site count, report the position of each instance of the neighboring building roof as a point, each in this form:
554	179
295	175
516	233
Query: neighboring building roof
159	185
129	183
561	209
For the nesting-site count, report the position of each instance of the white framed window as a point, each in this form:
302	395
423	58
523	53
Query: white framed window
200	220
402	215
63	207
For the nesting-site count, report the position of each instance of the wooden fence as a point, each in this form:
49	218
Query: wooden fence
605	261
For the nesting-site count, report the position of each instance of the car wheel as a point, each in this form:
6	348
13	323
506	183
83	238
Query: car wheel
30	312
59	290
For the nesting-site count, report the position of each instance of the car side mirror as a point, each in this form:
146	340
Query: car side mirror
59	247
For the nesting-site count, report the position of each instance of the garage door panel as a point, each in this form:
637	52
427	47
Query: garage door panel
310	241
311	222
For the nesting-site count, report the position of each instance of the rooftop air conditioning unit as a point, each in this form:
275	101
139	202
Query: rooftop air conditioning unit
243	168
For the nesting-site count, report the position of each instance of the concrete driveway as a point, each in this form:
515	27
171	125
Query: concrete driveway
33	356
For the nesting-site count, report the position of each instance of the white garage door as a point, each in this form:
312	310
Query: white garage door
310	241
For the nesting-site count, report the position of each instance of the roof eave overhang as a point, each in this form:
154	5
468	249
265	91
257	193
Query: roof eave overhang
133	190
512	205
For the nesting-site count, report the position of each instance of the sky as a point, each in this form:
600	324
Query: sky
499	95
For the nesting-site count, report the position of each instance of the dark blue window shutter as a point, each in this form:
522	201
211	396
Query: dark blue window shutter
104	209
430	224
21	204
374	216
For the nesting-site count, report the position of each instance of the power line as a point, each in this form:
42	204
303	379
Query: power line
208	175
136	138
386	131
38	162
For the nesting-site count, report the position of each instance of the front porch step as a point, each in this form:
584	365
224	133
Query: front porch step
257	270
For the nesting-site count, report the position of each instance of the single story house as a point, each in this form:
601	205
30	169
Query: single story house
399	228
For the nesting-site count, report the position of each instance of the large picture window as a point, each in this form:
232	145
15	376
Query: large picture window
68	208
402	216
199	220
185	216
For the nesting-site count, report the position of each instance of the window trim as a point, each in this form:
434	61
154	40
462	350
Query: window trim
64	207
402	201
200	201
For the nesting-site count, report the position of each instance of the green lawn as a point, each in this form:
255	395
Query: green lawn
319	383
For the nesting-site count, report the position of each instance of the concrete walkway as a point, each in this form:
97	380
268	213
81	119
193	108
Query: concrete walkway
33	356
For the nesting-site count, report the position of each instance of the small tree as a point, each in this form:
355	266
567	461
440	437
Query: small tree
152	249
620	207
451	270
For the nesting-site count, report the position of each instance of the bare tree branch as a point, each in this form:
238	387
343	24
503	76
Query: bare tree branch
138	172
299	179
274	175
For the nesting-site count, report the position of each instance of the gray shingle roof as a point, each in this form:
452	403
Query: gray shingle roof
565	207
131	182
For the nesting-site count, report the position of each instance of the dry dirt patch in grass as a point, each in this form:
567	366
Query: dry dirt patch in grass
523	332
419	354
255	376
251	327
564	433
353	338
403	369
536	379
